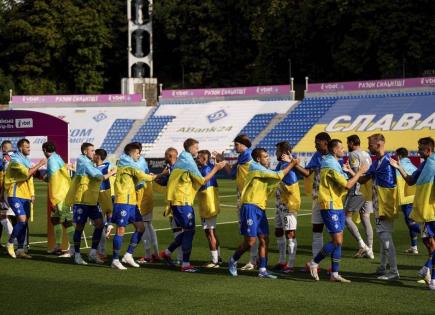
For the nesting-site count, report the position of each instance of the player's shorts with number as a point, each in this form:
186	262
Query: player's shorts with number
124	214
253	221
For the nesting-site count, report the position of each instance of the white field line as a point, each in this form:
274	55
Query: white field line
169	229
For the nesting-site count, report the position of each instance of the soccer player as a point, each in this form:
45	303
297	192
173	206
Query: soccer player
58	185
83	194
171	155
424	202
239	171
321	143
125	210
209	208
288	203
21	193
384	204
105	198
5	209
406	198
253	221
332	188
359	199
145	202
183	184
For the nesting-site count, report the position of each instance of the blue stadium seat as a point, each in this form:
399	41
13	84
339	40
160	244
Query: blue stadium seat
116	134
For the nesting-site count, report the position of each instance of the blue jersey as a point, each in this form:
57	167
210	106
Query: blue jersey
383	173
292	177
205	170
104	168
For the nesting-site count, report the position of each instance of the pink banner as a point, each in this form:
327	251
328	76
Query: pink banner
59	99
232	91
389	84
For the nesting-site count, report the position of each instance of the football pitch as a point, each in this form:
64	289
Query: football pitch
50	285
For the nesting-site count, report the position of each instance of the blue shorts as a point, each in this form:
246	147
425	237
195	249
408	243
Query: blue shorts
334	220
184	216
20	206
406	209
81	213
253	221
429	229
124	214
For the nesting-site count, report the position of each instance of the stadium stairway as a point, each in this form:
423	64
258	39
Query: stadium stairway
116	134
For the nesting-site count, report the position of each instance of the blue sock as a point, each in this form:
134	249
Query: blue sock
326	250
22	236
336	257
135	239
17	231
429	263
433	266
186	245
263	262
117	244
176	242
414	230
77	239
96	237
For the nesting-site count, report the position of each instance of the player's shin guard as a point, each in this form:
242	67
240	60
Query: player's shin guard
186	245
102	243
365	220
96	236
428	263
326	250
414	230
353	229
281	242
58	234
21	238
177	241
389	251
433	268
292	247
262	263
135	239
146	242
77	240
335	258
253	252
117	244
17	232
317	244
7	226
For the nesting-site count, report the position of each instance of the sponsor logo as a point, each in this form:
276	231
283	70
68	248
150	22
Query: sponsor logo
24	123
334	217
79	210
250	222
217	116
17	205
99	117
123	213
205	130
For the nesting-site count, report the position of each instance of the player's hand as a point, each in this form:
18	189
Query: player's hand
364	167
41	163
108	231
71	167
112	172
286	158
219	157
153	176
394	163
165	171
32	199
221	165
347	168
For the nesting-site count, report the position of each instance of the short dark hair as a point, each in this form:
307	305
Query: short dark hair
284	146
101	153
21	142
354	139
205	152
48	147
257	152
132	146
85	146
188	143
6	142
427	141
402	152
332	144
243	139
139	144
171	149
323	136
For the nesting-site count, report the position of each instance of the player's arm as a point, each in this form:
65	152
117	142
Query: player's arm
217	167
141	176
94	172
303	171
410	179
162	174
351	182
35	168
219	157
291	163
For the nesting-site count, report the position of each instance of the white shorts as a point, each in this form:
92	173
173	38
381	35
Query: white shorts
286	220
316	217
148	217
209	223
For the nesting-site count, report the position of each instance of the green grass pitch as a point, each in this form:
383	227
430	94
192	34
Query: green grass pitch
50	285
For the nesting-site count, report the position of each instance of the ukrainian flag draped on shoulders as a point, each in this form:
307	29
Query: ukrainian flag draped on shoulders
85	185
289	188
385	183
405	192
424	201
58	179
240	170
184	182
107	189
332	184
128	174
144	190
208	197
259	184
17	181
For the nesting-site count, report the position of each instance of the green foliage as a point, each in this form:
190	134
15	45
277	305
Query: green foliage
78	46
